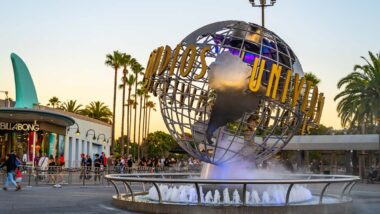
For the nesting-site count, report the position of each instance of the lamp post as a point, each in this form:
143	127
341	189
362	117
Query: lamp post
107	142
77	133
104	138
6	98
263	4
93	134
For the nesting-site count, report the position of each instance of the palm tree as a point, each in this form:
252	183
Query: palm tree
113	60
137	70
140	92
124	62
98	110
129	81
146	97
71	106
309	76
360	100
54	102
150	105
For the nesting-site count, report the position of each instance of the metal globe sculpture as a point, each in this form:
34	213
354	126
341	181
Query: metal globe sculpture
232	91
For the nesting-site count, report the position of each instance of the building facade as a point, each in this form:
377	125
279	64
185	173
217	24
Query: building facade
31	130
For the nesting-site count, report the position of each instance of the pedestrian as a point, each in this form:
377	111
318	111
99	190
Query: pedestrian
36	159
83	164
167	162
24	159
97	164
18	177
10	163
43	165
122	164
89	166
103	159
52	169
130	161
61	160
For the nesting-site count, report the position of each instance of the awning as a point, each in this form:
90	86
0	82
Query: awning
49	121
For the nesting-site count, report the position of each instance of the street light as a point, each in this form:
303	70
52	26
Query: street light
6	98
109	139
263	4
87	134
104	138
77	133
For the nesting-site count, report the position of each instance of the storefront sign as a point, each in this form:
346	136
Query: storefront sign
20	126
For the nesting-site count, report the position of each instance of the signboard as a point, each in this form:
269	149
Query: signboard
19	126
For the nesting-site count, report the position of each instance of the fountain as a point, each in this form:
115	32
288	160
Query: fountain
233	94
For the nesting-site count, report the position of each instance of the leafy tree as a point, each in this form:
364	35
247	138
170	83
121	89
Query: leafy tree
158	144
98	110
322	130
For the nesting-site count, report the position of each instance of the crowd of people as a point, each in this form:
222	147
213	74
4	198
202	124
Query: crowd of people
50	168
125	163
99	163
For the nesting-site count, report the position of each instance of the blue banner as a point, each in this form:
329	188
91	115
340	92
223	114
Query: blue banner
61	145
53	144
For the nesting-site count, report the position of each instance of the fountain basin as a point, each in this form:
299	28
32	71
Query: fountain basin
159	193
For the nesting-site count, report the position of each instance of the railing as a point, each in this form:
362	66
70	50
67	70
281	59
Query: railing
343	194
57	175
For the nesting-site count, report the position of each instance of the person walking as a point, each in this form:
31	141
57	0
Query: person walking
97	164
52	171
10	163
43	164
83	164
103	159
88	167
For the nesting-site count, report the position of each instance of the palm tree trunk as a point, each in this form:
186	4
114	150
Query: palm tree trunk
113	113
122	117
130	125
134	122
144	124
128	108
139	134
148	120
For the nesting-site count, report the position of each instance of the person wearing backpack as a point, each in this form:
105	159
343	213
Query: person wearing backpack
10	163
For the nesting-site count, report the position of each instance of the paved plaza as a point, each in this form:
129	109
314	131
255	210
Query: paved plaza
97	199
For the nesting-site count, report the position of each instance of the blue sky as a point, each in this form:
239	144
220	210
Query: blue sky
64	42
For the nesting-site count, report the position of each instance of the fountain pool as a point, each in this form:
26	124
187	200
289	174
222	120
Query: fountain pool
188	193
